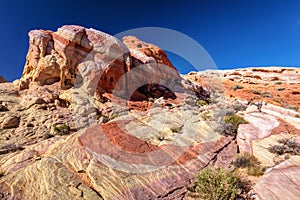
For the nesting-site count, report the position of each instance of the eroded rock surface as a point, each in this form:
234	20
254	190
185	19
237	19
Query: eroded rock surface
96	118
280	182
272	132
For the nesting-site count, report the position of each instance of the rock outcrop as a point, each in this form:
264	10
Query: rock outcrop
96	118
74	54
56	56
272	131
75	78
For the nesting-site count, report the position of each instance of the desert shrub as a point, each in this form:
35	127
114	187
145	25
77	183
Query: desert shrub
277	149
278	83
280	89
218	184
47	136
266	95
235	120
297	116
201	103
176	129
212	99
61	129
225	112
238	87
239	107
287	146
250	162
225	129
255	171
291	107
206	115
277	100
245	160
255	92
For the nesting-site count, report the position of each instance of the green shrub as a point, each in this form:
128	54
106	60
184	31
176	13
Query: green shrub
247	160
278	83
277	149
255	171
291	107
255	92
287	146
201	103
212	100
47	136
237	87
277	100
218	184
239	106
235	120
266	95
206	115
61	129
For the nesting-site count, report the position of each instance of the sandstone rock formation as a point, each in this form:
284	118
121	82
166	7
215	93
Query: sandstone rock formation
273	124
96	118
55	56
75	53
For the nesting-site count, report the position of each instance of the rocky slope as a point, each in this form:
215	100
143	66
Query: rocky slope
84	122
272	133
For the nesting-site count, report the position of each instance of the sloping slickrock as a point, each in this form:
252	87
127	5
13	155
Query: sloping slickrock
104	162
260	125
280	182
265	129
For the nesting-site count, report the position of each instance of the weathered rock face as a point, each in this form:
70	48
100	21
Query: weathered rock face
76	55
58	56
59	143
107	162
280	182
143	52
151	60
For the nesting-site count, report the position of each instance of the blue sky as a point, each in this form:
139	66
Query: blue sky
236	33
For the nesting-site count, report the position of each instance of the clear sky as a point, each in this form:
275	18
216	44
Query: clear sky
236	33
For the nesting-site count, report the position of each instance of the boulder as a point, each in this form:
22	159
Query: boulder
10	121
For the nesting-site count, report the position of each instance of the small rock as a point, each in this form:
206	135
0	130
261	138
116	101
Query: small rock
10	121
